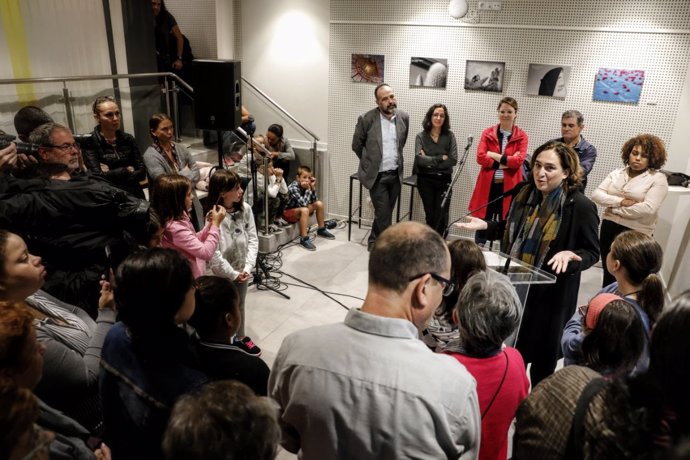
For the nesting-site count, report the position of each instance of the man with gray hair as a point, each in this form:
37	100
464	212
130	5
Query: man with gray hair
56	145
488	313
572	124
368	388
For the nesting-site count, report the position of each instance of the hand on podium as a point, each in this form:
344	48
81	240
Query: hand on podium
473	224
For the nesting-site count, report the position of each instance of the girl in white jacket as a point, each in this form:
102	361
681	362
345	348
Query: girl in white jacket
238	244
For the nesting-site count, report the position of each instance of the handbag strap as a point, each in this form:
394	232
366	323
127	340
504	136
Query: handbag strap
500	385
575	446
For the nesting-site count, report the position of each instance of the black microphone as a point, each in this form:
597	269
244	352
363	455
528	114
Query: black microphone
469	142
509	193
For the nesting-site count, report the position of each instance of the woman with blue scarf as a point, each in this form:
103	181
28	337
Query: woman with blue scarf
553	226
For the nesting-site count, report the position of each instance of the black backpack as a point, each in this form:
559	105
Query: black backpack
676	178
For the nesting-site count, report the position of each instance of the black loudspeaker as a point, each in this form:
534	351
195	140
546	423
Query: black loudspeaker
217	95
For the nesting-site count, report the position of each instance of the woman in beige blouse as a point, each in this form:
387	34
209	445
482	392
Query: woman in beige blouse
633	194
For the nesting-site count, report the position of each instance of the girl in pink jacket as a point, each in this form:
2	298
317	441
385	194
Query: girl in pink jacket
171	198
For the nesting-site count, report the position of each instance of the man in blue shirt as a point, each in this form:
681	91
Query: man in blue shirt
572	124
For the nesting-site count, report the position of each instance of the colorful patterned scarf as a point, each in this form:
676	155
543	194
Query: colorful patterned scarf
533	224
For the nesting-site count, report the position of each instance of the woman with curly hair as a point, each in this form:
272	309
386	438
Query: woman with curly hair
633	194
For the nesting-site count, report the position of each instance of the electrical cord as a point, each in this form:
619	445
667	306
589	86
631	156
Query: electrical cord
317	289
340	294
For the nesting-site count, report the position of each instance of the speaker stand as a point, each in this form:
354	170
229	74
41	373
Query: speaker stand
219	133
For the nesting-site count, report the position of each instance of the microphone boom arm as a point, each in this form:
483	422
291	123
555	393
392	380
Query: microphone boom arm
458	170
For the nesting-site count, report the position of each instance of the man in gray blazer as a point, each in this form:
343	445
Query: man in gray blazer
379	138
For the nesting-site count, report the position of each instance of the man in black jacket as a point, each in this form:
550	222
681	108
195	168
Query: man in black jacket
68	221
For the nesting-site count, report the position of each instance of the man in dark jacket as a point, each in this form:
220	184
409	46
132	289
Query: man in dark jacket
69	222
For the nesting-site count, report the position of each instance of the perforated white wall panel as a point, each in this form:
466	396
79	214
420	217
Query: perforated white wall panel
523	32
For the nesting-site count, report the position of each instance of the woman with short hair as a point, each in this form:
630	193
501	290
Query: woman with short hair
551	226
487	313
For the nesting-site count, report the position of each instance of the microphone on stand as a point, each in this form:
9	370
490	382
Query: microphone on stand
446	194
509	193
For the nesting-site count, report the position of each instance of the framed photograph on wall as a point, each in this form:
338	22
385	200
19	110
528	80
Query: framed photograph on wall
618	85
485	75
367	68
548	80
428	72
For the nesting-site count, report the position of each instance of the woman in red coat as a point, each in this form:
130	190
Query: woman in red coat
501	151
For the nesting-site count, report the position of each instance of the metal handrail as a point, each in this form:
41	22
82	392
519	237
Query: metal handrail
285	112
15	81
295	121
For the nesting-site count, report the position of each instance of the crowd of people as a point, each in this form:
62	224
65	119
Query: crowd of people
122	320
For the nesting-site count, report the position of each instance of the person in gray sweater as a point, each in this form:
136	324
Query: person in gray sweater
71	338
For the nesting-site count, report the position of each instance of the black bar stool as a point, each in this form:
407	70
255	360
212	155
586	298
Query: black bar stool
353	178
412	182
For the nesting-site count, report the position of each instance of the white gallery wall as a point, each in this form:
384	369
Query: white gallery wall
284	52
651	36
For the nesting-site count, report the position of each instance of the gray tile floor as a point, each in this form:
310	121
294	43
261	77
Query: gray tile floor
337	266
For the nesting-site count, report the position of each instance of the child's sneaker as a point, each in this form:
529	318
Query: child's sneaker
247	346
330	224
306	243
282	222
324	233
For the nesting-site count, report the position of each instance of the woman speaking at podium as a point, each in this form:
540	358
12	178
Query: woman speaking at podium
553	226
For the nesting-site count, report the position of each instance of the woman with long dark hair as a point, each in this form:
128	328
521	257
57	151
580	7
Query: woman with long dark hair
436	152
146	363
165	156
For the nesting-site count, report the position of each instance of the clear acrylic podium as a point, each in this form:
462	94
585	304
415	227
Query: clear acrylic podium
522	275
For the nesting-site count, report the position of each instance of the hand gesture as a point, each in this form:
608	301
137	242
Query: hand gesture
105	167
628	202
559	262
103	452
8	157
422	153
218	213
473	224
107	299
242	277
278	172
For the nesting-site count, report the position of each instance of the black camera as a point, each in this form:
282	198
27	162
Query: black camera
22	147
